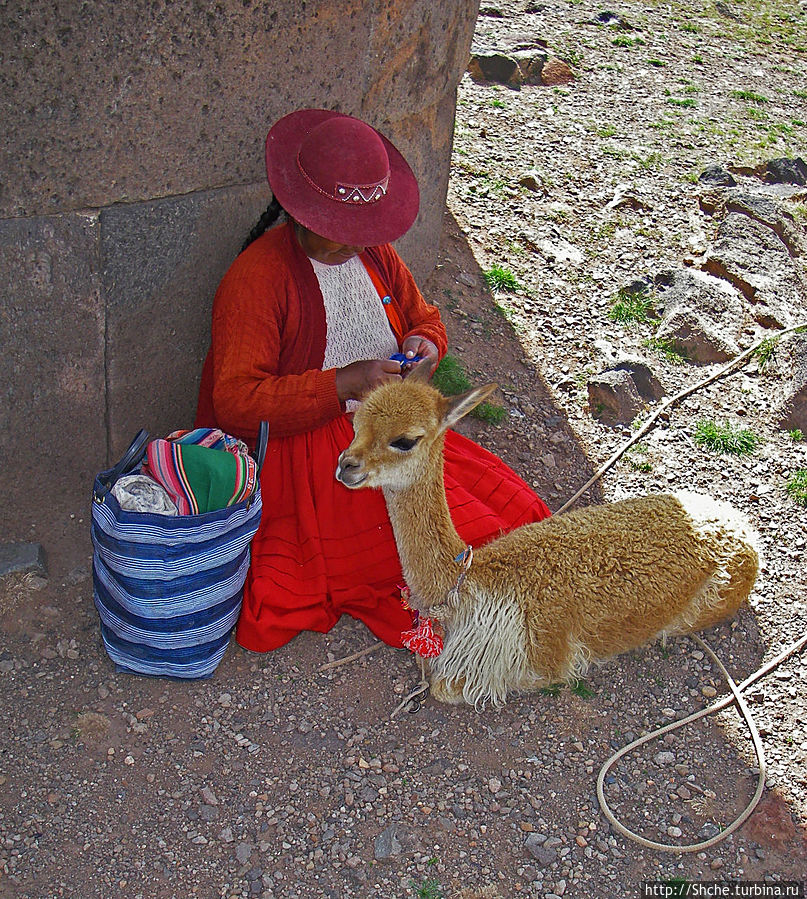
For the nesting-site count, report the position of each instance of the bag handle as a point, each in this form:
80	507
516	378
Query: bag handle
135	451
260	445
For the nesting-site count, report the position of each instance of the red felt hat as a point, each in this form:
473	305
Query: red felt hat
340	178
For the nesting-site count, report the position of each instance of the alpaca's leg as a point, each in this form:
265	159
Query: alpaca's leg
553	653
442	692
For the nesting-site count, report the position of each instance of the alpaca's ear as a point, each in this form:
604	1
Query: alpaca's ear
420	371
458	406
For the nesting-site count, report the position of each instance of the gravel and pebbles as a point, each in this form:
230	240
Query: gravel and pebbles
274	780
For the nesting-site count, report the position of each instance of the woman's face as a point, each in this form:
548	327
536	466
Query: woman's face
323	250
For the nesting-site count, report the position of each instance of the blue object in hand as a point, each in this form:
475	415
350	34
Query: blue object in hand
401	357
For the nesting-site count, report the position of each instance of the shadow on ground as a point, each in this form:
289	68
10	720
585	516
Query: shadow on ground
536	439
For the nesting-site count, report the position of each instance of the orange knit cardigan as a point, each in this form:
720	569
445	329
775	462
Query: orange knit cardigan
268	337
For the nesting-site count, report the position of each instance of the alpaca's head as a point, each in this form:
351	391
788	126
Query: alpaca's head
399	432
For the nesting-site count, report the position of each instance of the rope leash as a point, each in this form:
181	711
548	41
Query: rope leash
328	666
414	700
735	696
736	363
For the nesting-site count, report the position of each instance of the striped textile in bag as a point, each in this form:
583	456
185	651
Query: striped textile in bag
168	589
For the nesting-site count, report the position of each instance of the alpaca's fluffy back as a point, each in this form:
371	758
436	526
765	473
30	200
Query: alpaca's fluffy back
609	578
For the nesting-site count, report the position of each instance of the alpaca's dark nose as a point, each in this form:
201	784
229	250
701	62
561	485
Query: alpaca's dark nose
349	471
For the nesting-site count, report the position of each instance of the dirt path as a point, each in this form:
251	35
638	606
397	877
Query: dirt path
271	779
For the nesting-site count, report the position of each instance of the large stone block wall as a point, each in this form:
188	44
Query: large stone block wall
132	168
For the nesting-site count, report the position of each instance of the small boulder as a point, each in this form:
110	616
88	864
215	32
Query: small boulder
703	316
22	558
556	71
786	171
791	405
753	258
613	398
387	844
531	64
490	65
718	176
532	180
645	381
534	845
611	20
764	209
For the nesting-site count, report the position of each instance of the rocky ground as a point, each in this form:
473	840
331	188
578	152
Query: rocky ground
275	779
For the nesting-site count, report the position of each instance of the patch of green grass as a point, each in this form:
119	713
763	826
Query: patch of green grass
726	438
796	435
802	95
499	278
651	161
671	351
749	96
573	58
641	464
606	231
691	27
429	889
756	115
797	486
623	40
632	306
551	690
491	413
686	103
498	104
656	63
581	688
450	379
765	353
500	310
487	185
606	131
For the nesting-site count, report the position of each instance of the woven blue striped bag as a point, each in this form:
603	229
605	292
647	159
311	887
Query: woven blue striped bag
168	589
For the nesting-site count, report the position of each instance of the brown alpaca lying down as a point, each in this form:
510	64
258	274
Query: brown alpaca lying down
538	604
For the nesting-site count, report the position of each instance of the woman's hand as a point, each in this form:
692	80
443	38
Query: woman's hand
419	346
356	380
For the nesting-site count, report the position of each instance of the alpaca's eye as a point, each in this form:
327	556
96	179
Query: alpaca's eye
404	444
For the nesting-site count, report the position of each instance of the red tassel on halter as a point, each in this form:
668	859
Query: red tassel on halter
426	637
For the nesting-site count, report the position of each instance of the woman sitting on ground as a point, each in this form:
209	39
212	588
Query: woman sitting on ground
304	324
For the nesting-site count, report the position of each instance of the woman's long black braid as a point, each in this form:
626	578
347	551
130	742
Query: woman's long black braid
273	212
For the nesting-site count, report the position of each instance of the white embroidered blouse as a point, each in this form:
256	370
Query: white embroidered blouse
357	326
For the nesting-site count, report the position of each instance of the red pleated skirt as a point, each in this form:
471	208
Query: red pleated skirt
323	550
